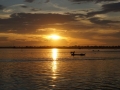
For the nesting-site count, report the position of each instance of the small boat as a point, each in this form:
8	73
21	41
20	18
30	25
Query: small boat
80	54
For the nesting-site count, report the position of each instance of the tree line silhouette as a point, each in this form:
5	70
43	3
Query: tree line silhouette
62	47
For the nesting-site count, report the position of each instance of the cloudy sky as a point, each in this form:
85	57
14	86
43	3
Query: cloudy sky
75	22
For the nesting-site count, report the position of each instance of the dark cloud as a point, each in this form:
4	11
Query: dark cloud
47	1
28	23
102	22
1	7
96	1
24	6
30	1
112	7
115	7
33	9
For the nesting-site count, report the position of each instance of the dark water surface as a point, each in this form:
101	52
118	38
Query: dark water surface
56	69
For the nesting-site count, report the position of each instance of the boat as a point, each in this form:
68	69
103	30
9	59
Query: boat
80	54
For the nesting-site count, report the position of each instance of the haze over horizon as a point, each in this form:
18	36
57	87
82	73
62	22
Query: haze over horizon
59	22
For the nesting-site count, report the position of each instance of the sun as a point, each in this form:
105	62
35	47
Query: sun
54	37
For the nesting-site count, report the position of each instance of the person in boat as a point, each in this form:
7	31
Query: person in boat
73	53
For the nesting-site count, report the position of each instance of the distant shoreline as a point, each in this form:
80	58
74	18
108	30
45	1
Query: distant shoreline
61	47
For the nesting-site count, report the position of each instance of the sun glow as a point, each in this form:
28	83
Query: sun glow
54	37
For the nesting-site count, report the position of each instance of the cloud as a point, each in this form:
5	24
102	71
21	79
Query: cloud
96	1
102	22
30	1
112	7
28	23
34	9
8	10
14	8
24	6
17	5
47	1
1	7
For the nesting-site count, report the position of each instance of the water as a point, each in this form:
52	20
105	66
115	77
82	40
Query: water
56	69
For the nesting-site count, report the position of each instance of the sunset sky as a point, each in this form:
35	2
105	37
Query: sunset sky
71	22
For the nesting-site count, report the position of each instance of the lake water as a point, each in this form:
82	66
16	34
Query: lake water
56	69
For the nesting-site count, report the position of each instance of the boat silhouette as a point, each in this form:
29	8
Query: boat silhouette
80	54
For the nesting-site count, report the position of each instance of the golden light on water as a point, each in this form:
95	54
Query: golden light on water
54	54
54	68
54	63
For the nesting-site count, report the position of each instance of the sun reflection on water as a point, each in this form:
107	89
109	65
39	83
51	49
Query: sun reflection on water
54	63
54	54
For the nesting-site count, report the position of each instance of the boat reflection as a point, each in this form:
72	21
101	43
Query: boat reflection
54	63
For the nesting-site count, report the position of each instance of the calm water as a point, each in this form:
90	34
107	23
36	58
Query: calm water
56	69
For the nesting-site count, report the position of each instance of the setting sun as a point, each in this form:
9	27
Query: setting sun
54	37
